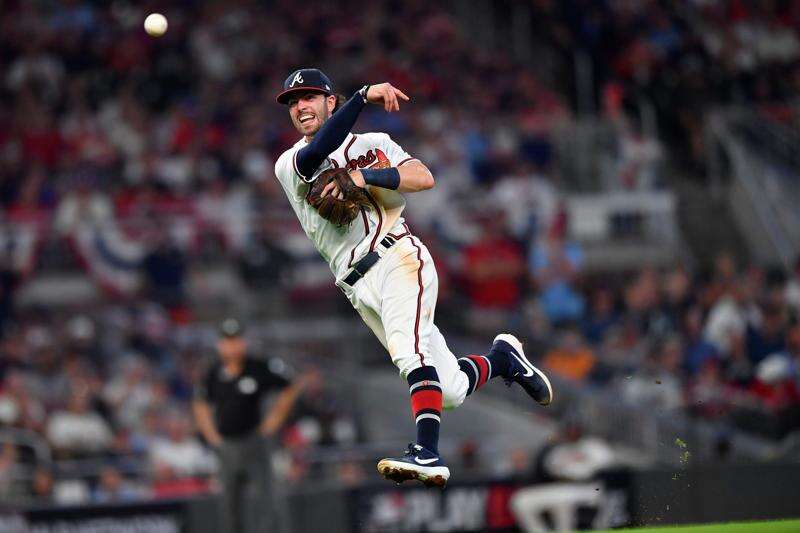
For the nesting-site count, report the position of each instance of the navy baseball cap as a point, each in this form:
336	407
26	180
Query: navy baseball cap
305	79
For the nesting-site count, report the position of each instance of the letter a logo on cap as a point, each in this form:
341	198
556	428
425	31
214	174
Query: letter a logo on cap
298	78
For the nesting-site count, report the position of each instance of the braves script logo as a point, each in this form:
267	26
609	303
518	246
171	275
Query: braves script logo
377	157
298	78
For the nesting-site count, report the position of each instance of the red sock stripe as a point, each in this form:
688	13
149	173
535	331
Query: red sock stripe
483	369
426	399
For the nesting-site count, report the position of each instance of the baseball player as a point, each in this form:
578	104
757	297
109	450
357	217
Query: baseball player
384	270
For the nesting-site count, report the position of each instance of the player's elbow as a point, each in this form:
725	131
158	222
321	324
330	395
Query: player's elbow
426	180
415	177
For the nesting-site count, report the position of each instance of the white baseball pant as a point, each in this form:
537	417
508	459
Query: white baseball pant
397	300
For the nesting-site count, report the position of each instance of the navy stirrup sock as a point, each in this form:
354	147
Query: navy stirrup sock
481	368
426	405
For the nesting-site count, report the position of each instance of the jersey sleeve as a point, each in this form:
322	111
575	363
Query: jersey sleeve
289	175
331	135
286	167
397	156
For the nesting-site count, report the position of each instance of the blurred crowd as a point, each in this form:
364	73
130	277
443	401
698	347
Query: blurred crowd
97	398
723	345
167	145
684	58
721	342
103	127
98	107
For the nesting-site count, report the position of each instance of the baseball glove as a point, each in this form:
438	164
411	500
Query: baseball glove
339	212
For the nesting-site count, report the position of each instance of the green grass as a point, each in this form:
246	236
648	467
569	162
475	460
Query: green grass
773	526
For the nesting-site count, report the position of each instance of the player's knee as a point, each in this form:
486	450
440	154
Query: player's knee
452	398
455	391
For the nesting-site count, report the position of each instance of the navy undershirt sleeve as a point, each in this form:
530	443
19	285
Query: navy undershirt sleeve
329	137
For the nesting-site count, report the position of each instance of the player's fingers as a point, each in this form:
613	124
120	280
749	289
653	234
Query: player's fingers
387	100
327	190
401	94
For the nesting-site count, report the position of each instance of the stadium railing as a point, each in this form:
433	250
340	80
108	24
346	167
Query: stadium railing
763	191
620	226
25	438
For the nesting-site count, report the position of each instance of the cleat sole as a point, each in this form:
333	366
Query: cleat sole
392	472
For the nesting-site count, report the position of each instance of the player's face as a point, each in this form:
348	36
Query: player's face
309	111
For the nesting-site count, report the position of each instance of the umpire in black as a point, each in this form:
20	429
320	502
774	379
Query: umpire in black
228	408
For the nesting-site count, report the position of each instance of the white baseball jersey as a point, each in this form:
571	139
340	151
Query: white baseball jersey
342	247
397	296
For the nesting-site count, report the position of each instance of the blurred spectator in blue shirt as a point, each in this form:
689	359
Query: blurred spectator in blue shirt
768	338
556	266
600	316
165	273
113	487
697	351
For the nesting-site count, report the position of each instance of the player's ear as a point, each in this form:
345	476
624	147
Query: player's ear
333	103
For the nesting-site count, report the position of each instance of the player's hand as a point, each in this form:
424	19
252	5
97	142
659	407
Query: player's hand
333	188
386	94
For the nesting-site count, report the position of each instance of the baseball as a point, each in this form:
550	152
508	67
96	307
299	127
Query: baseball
155	24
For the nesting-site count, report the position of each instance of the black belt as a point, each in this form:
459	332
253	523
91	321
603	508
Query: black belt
363	265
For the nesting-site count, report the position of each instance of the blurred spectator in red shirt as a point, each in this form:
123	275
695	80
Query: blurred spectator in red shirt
41	140
166	485
774	385
493	270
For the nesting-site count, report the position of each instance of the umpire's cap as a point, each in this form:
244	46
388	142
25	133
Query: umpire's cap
305	79
230	327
